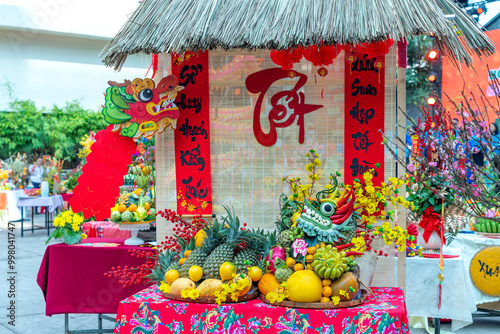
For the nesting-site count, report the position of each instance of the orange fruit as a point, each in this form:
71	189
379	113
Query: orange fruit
268	283
255	273
132	208
309	258
171	276
290	262
311	250
195	273
325	300
122	208
327	291
226	271
181	261
298	266
327	282
187	253
309	267
147	206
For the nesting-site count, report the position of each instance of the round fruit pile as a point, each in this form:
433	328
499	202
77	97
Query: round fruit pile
133	208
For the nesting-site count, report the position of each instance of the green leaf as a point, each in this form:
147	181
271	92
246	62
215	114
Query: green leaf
70	237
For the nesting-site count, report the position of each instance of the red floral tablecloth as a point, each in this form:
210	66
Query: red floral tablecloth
149	312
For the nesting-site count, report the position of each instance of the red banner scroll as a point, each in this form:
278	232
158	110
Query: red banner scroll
364	116
192	134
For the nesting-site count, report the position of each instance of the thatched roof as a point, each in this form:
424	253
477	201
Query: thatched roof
180	25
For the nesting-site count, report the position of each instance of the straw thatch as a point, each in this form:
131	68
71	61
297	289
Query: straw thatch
180	25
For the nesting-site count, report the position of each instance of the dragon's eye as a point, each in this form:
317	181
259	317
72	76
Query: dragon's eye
146	95
327	208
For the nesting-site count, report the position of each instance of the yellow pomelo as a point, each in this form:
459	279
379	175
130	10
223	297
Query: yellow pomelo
181	284
304	286
209	286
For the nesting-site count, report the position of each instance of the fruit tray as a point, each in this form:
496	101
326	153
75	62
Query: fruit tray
253	293
488	234
319	306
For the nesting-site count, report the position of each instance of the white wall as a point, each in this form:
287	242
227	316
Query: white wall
49	50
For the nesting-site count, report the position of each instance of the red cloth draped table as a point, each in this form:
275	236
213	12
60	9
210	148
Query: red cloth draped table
149	312
66	197
72	277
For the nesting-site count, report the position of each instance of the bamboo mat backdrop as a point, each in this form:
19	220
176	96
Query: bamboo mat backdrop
245	174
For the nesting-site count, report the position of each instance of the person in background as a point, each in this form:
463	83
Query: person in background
36	173
495	135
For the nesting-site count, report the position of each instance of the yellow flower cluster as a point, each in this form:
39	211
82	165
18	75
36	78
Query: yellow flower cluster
68	219
359	244
299	190
279	296
190	293
336	300
373	199
164	287
4	174
344	293
232	289
395	235
86	143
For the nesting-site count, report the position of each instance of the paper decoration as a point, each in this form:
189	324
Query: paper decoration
286	58
192	136
299	246
138	108
321	55
279	116
102	175
375	49
485	270
364	116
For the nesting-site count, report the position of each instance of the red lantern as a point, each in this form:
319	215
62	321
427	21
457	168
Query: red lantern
286	58
322	71
322	55
375	49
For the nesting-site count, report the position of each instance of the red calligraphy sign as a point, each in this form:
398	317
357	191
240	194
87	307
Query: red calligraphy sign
281	115
364	117
192	135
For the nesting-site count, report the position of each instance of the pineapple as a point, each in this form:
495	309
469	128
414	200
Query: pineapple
214	235
162	265
225	252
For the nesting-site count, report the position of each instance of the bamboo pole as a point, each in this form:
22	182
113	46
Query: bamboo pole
401	169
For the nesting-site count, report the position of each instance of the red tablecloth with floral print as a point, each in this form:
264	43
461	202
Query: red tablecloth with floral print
149	312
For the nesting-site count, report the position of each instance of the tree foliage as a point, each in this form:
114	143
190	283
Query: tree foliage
40	131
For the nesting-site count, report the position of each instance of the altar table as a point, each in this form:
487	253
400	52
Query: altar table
470	245
457	302
149	312
72	277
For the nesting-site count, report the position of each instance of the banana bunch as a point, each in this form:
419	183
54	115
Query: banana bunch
487	226
329	263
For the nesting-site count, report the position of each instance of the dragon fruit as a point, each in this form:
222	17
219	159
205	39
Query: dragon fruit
276	253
